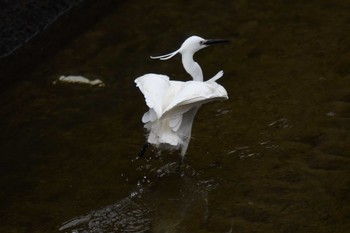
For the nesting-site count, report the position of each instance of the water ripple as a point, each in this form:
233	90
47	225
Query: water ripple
156	204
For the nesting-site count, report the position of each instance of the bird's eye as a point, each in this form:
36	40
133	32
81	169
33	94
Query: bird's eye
201	42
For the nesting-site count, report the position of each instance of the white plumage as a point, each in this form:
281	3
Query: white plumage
174	104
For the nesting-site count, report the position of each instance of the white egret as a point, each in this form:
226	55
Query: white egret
174	104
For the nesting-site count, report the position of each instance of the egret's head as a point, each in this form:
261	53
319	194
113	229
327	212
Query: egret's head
196	43
190	46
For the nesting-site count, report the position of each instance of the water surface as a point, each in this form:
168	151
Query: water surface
273	158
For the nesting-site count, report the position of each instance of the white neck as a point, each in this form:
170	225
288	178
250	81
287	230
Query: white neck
192	67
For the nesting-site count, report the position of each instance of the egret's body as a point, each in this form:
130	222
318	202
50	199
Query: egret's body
174	104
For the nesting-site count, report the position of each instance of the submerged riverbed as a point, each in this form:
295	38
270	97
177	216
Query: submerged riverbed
273	158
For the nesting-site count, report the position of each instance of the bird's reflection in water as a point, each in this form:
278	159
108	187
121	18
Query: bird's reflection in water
161	205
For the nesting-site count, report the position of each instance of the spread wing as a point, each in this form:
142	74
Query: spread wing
154	88
196	93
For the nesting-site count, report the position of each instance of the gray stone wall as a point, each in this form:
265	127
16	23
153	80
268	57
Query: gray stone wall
21	20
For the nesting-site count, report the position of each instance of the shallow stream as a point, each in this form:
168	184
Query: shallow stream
275	157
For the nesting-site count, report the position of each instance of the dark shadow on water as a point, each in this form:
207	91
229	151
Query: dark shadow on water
156	204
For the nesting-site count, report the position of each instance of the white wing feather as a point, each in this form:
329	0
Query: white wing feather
173	106
154	88
196	92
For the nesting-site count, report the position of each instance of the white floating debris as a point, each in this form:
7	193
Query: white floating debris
331	114
80	79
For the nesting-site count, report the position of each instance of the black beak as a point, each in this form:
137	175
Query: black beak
215	41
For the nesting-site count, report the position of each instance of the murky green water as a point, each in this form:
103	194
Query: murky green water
273	158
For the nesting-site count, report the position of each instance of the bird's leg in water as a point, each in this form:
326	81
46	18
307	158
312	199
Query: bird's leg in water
180	167
181	160
143	150
158	154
